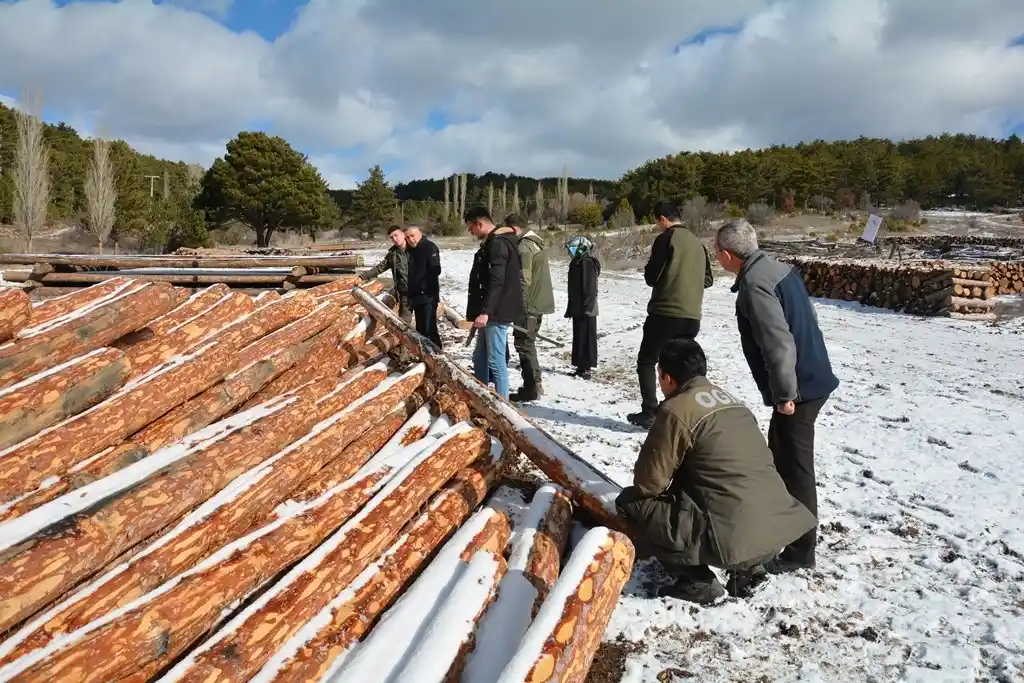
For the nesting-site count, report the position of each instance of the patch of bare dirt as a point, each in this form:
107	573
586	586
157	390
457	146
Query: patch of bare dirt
609	663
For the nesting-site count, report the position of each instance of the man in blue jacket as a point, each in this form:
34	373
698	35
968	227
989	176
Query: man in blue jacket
786	353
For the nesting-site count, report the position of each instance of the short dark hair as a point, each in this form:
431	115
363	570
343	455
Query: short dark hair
668	209
393	228
513	221
477	213
682	360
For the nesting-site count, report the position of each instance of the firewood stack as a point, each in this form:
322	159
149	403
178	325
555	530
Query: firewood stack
936	288
223	488
1008	277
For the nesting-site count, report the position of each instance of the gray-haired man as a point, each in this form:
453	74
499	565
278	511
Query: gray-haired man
786	353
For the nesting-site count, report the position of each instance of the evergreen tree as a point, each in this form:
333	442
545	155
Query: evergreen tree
373	203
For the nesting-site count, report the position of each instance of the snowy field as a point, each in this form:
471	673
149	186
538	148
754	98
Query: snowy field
920	573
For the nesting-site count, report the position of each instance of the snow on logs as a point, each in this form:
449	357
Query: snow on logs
592	490
15	312
942	288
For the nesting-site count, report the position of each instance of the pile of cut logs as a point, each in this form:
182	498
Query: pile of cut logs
215	487
950	240
940	288
1008	277
285	272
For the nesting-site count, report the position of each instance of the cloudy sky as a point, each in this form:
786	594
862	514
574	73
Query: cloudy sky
428	88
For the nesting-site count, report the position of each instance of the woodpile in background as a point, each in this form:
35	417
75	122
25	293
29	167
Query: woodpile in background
1008	277
940	288
951	240
216	487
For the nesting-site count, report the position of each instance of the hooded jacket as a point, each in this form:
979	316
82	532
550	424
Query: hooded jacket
495	281
540	299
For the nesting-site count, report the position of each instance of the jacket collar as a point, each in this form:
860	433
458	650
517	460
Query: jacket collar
689	386
747	265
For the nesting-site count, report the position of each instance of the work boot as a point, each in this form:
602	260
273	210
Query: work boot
698	592
742	582
525	394
643	419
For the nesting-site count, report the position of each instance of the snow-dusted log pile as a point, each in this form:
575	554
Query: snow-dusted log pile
213	487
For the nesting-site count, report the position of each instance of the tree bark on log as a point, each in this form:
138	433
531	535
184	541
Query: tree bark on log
247	642
317	320
265	297
383	652
44	567
52	453
561	643
62	339
58	306
187	278
363	380
15	312
345	298
192	306
355	610
338	285
349	260
591	489
58	394
149	353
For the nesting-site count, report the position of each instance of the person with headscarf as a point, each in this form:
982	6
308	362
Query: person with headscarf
584	270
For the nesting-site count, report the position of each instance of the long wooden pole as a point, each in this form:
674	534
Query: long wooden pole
591	489
120	262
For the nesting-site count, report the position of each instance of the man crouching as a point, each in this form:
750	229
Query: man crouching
705	491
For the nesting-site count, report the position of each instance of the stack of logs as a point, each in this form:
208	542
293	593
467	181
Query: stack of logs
251	272
1008	277
939	288
215	487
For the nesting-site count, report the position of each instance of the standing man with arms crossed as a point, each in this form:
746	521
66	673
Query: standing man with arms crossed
678	271
397	259
424	282
786	353
540	300
495	300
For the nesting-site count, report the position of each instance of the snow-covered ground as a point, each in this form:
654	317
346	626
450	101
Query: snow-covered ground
921	486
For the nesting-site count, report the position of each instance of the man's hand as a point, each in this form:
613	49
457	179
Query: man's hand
480	320
787	408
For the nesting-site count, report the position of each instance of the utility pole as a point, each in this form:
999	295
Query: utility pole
152	184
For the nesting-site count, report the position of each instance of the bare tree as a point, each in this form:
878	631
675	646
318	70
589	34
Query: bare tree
195	174
462	199
31	171
515	198
540	204
503	203
100	193
490	198
447	205
167	185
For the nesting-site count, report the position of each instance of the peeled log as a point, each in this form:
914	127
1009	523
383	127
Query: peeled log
385	650
62	339
190	308
294	332
336	286
53	452
148	354
58	306
354	385
534	562
57	394
561	643
591	489
245	644
354	611
15	312
47	565
345	298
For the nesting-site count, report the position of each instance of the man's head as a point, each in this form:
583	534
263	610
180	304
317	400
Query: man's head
735	242
680	361
479	222
413	235
515	222
666	214
397	236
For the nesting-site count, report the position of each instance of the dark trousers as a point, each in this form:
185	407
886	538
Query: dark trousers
584	343
791	439
426	321
526	347
658	329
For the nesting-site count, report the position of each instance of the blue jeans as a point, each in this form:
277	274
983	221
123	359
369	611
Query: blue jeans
489	361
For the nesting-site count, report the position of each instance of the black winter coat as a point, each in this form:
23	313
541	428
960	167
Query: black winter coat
583	273
495	282
424	273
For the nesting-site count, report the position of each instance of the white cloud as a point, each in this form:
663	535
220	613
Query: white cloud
534	84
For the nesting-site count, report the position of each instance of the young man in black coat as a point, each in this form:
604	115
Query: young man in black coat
496	300
424	282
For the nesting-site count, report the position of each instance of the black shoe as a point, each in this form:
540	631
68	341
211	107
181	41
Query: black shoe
784	565
742	582
698	592
525	394
642	419
582	373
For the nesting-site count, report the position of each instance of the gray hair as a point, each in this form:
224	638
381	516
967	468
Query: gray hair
737	237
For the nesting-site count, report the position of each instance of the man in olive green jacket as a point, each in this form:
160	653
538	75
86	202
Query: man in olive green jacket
397	261
705	490
540	301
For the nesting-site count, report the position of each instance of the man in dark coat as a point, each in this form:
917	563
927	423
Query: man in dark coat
397	261
540	301
424	282
705	491
677	271
496	300
584	270
786	353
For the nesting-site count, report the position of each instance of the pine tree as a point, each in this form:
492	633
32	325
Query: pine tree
373	202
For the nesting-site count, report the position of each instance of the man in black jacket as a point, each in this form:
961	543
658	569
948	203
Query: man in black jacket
424	285
496	300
